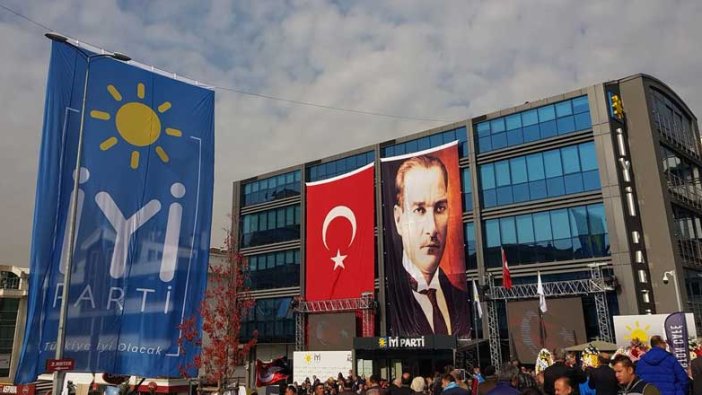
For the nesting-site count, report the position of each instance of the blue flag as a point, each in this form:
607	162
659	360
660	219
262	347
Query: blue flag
144	210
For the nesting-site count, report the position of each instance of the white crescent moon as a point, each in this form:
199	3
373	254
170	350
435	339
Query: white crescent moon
269	374
343	212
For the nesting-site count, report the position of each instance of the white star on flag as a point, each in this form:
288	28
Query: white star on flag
338	260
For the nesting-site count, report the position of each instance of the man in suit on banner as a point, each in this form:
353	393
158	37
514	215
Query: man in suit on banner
421	215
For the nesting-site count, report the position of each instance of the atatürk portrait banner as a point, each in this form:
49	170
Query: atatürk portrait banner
424	255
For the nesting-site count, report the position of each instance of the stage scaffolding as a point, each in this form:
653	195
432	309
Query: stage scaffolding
595	286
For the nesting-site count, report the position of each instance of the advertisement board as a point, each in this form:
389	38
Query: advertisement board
643	326
323	364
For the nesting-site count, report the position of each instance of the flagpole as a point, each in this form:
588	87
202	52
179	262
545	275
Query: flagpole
60	376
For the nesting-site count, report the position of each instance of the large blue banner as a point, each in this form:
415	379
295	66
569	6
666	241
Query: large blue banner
144	208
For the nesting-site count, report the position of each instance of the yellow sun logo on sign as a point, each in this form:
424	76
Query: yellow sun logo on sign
382	343
637	332
137	124
308	358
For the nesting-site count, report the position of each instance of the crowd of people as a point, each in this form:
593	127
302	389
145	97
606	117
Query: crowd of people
658	372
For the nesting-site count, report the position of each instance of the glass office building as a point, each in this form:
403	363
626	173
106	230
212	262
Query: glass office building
558	184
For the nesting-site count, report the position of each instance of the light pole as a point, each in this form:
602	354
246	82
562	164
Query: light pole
675	282
63	312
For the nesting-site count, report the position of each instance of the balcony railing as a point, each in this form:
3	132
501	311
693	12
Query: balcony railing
677	134
686	192
10	283
691	251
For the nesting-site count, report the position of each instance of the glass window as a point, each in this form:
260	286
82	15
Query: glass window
554	235
563	109
425	143
502	173
571	159
560	224
492	233
525	229
487	176
552	163
547	113
272	220
535	166
483	129
578	221
588	158
542	226
507	231
518	170
280	219
541	123
596	219
497	125
514	122
465	173
530	117
580	105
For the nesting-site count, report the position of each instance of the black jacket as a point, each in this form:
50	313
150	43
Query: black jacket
696	369
407	317
560	369
603	380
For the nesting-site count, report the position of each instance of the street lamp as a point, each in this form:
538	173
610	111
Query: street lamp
60	376
666	279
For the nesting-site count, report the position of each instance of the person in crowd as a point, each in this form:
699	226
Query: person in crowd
448	383
525	380
506	381
400	386
418	386
318	388
562	366
696	372
563	386
629	383
490	380
662	369
430	384
602	378
347	387
360	386
531	391
373	385
291	390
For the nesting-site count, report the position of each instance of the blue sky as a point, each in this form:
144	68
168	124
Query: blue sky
446	60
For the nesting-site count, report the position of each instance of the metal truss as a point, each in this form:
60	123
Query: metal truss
493	330
299	331
595	286
601	307
328	306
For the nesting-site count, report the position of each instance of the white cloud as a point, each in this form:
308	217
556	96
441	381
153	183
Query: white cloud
444	60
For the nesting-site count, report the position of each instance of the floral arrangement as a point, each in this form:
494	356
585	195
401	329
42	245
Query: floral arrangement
695	348
590	356
543	360
635	350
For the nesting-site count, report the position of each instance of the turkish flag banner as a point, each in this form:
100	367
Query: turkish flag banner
269	373
340	249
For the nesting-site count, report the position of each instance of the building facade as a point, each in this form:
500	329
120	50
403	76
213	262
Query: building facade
13	313
607	176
